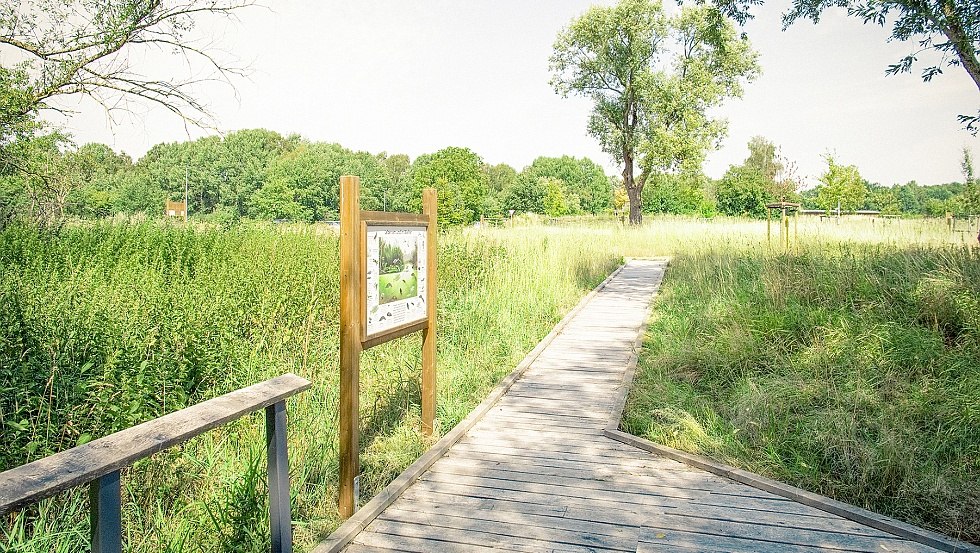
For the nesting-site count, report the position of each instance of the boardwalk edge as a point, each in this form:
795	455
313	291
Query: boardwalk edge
841	509
346	532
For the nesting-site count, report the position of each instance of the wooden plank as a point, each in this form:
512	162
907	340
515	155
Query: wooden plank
421	512
803	497
646	498
592	476
652	467
394	218
592	501
505	533
537	452
353	526
515	412
784	535
393	334
688	537
376	539
430	210
350	340
553	450
423	539
32	482
733	513
534	429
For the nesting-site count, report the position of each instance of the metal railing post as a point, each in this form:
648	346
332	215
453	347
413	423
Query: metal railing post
105	497
279	517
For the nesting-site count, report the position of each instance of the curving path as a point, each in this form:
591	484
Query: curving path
537	474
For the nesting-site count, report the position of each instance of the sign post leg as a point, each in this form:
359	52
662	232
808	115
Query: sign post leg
350	339
429	207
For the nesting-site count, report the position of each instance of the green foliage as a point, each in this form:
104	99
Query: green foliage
652	80
104	326
584	183
678	194
554	202
524	195
71	47
764	177
971	185
396	191
500	177
458	177
841	185
743	192
949	28
391	258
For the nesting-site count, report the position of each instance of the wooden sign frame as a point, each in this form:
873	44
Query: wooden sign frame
354	225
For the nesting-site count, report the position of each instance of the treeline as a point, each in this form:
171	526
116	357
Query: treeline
766	176
262	174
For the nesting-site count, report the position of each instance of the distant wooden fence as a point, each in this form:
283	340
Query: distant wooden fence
99	462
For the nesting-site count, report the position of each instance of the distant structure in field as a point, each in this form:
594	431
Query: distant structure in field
176	209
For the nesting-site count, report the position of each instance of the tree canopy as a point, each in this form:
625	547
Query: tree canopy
842	186
70	47
949	29
652	80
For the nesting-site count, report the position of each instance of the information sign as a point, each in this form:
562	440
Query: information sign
395	275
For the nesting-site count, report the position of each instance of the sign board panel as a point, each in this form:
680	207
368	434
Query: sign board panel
395	275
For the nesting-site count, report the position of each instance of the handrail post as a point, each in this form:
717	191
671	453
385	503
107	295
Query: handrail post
105	497
278	463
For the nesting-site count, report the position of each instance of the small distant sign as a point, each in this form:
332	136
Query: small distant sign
176	209
396	277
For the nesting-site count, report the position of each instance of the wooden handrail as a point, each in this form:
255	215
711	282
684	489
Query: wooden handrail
100	460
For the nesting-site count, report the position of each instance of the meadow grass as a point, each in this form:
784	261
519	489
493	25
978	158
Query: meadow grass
845	364
848	365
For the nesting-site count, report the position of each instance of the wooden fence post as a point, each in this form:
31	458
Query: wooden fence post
350	339
429	207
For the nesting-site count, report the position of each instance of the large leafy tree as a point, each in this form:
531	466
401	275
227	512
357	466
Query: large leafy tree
742	192
765	176
652	80
457	175
585	183
308	176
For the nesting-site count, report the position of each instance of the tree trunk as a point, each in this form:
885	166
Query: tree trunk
961	43
633	189
636	209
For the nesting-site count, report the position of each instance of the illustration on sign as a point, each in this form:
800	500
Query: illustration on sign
395	277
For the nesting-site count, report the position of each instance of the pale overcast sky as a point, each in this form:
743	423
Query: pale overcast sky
412	77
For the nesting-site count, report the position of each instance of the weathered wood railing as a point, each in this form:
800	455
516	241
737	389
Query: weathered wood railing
99	462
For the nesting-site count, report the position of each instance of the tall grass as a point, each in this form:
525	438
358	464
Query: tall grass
106	326
845	365
849	368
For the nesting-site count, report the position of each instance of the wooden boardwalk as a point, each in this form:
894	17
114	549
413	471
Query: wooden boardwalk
536	473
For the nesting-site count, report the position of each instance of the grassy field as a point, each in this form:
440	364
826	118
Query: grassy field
851	357
849	366
106	326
